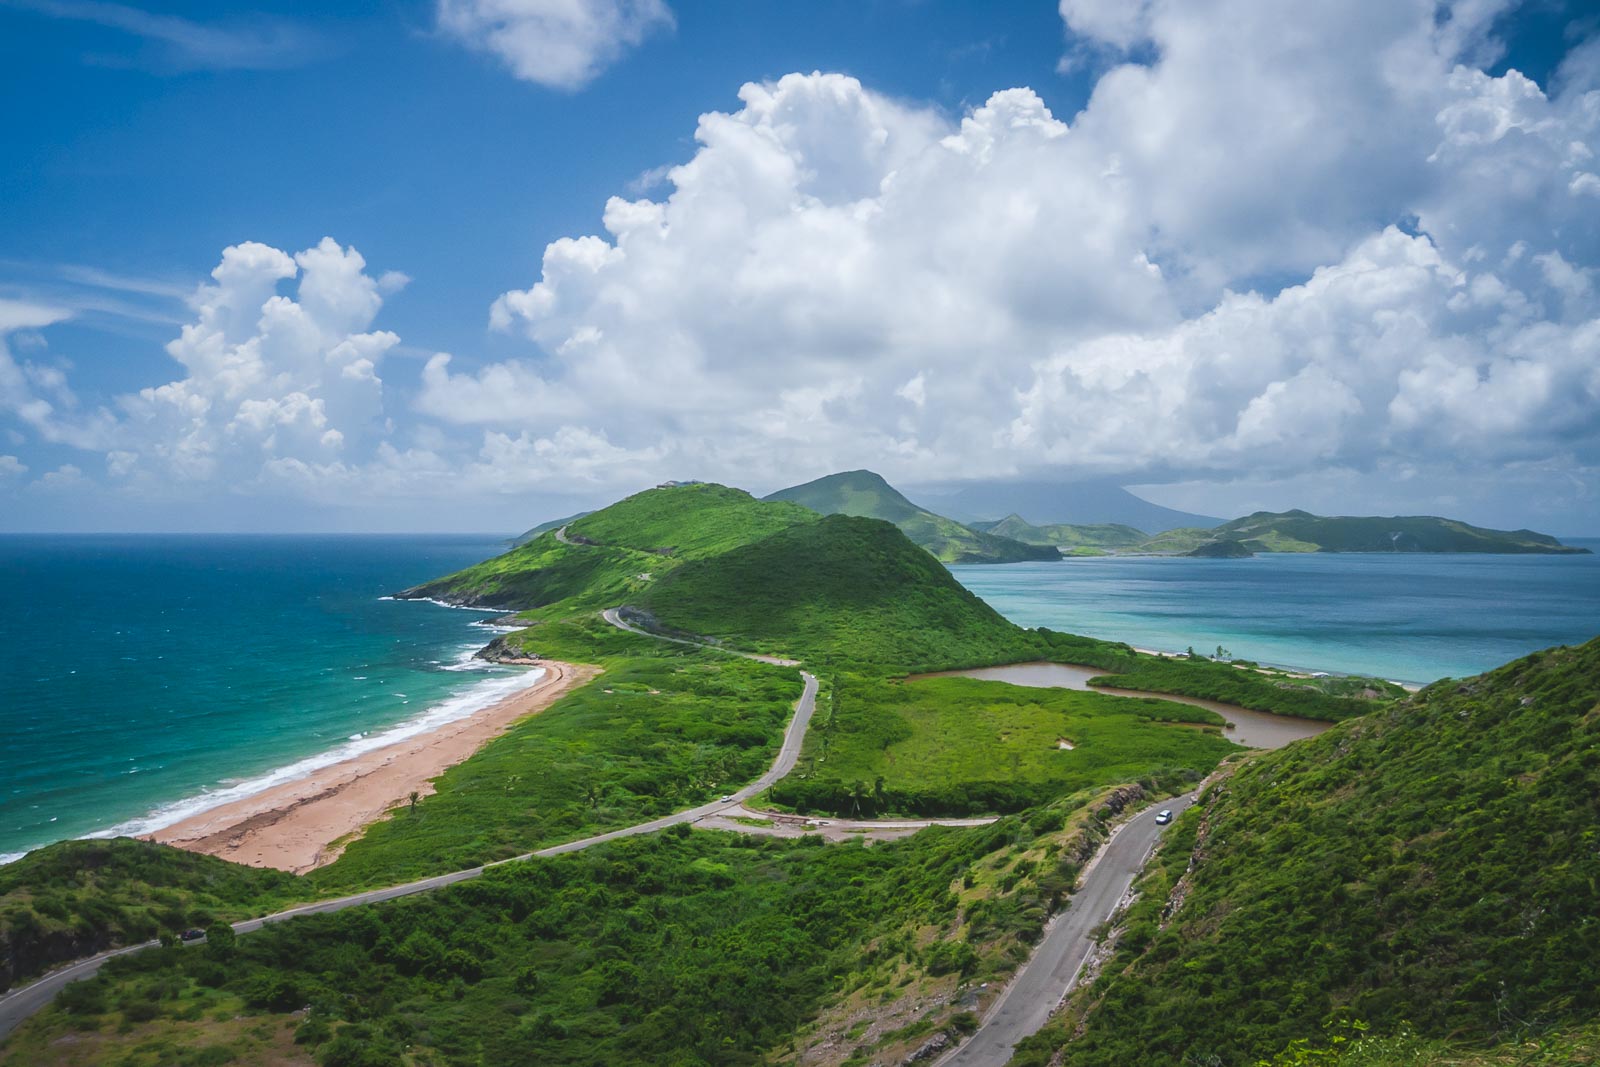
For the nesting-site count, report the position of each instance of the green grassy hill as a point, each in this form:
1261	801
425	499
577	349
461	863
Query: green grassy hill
961	746
1435	865
840	590
866	495
617	549
1065	536
545	527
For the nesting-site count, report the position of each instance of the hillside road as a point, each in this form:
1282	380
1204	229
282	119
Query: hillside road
1050	975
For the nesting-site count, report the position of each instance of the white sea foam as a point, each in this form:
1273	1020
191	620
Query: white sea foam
467	660
480	695
443	604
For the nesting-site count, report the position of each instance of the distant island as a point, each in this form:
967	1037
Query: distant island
1288	531
1013	539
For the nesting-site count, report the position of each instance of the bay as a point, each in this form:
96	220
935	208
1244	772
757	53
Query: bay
1410	617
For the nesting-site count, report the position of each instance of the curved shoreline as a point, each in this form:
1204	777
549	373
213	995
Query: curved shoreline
303	824
1256	729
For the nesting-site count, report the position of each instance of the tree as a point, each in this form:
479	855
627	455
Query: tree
220	941
415	796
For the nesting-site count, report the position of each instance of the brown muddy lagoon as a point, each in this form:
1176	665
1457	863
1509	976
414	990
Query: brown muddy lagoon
1253	729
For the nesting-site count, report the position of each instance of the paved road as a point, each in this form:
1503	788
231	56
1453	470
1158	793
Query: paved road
1050	975
614	617
21	1003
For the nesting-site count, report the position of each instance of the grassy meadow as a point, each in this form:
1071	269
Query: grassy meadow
961	746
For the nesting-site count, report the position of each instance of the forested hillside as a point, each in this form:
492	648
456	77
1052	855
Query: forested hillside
1432	865
678	948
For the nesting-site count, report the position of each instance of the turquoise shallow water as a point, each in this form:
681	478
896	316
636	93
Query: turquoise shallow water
144	677
1409	617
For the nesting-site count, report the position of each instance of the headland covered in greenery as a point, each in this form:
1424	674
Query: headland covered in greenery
696	946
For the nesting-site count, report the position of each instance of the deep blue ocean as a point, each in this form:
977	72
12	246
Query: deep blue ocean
145	677
1410	617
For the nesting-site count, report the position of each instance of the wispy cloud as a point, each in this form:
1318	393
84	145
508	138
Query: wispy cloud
87	291
251	44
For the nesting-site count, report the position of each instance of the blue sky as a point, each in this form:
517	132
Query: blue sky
1172	250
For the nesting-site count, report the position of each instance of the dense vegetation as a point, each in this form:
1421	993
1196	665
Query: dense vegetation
77	898
683	947
840	590
866	495
1351	1043
1249	687
657	732
959	746
1432	865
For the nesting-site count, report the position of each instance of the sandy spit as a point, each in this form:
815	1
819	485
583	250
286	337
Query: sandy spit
294	826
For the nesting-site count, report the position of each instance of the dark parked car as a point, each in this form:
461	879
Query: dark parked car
193	935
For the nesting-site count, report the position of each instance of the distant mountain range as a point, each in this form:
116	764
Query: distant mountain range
1083	503
866	495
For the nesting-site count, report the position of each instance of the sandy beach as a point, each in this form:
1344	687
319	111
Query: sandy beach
293	826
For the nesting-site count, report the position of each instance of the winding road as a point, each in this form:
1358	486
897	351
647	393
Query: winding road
1047	977
1022	1008
21	1003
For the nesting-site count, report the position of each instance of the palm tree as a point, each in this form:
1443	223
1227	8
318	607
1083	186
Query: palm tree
415	796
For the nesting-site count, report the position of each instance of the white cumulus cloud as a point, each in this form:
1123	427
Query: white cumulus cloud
839	278
266	376
563	44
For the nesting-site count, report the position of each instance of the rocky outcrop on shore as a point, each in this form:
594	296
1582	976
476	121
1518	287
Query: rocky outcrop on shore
508	649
